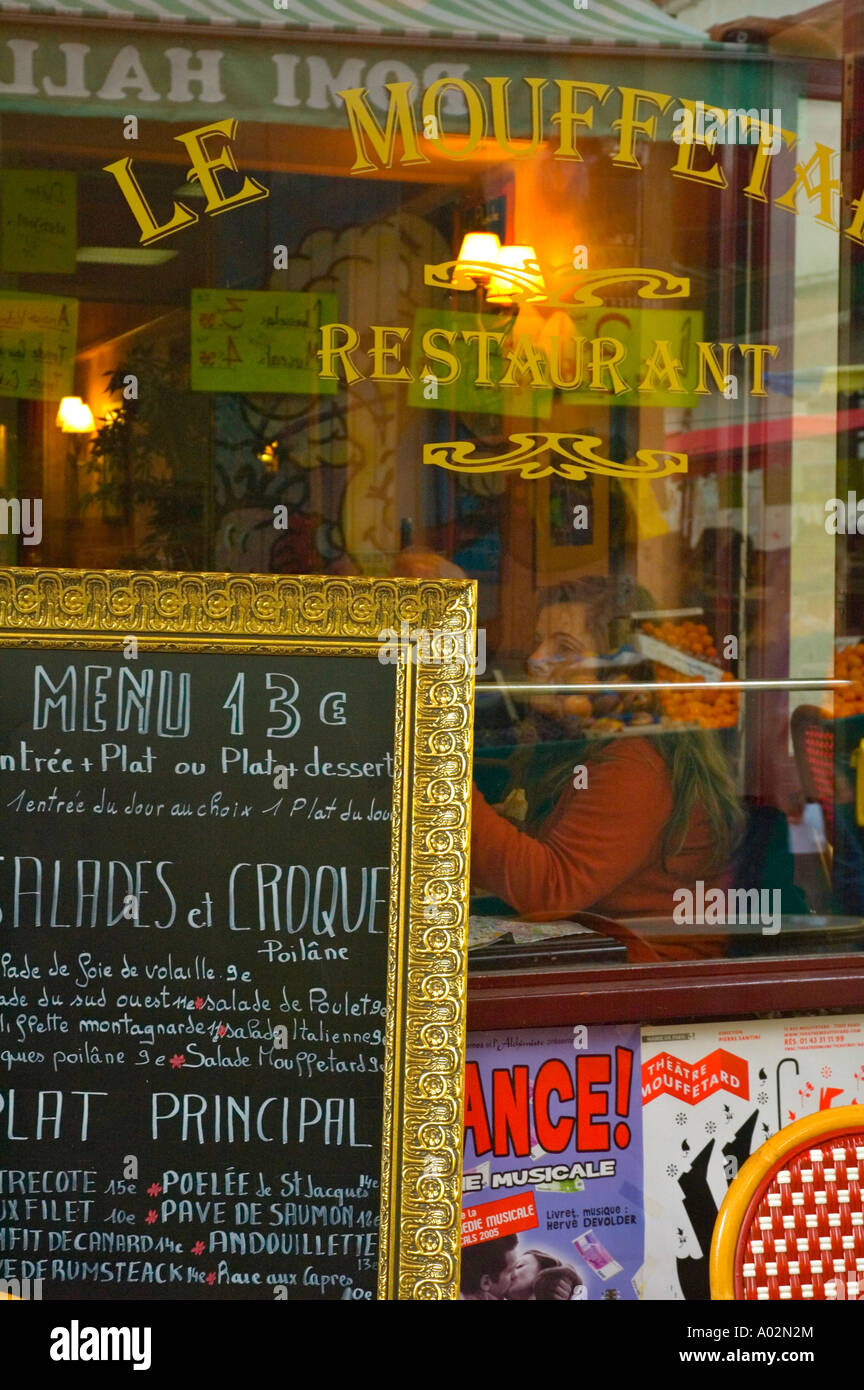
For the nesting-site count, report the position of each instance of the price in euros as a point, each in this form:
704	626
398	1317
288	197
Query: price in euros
284	694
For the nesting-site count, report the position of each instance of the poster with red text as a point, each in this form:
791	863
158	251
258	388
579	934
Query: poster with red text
552	1178
712	1093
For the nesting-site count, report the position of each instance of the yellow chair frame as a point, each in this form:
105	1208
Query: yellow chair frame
727	1230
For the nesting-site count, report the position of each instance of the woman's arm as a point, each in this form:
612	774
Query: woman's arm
595	838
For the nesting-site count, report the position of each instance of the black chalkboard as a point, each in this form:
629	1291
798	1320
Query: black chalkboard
170	901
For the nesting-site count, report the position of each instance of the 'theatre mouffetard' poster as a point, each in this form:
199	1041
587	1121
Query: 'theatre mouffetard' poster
712	1093
553	1157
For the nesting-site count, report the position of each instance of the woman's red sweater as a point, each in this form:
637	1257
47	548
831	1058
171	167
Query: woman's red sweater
599	849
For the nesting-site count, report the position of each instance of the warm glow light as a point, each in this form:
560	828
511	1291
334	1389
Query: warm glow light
483	247
529	323
269	456
74	416
561	326
504	289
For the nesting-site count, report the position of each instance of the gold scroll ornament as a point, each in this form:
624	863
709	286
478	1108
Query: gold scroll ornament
525	282
577	452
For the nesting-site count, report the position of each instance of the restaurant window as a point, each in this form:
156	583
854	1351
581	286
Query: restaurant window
563	303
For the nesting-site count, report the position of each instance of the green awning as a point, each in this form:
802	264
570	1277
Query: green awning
244	58
616	22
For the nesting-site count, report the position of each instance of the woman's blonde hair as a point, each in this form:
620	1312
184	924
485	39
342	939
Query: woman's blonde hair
699	769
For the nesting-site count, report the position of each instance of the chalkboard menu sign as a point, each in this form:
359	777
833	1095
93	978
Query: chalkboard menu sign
233	895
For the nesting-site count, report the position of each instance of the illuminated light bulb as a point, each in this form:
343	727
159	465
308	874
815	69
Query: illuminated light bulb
75	416
477	247
269	456
504	289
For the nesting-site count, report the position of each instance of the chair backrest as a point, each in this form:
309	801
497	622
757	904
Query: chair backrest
813	742
791	1226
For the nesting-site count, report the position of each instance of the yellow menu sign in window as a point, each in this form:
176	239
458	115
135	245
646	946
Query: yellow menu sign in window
37	345
259	341
38	221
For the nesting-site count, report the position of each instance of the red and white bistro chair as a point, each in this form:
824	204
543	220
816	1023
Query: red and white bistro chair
792	1222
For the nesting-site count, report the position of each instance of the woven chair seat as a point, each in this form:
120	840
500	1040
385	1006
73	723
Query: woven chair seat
791	1226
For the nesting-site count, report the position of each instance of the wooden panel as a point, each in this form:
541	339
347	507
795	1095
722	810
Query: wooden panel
655	993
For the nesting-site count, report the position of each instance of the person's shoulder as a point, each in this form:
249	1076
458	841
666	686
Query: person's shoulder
628	775
634	751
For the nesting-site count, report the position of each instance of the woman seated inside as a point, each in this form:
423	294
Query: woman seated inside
643	817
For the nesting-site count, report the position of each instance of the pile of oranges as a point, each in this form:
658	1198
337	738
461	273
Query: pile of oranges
710	709
849	665
693	638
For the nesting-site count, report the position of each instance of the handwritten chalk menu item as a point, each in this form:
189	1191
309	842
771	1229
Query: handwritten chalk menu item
38	221
262	340
37	345
233	888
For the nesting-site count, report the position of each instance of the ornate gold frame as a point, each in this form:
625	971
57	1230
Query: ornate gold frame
317	615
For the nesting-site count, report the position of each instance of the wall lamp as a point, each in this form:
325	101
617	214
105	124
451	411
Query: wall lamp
506	271
75	416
